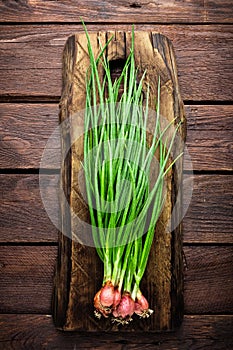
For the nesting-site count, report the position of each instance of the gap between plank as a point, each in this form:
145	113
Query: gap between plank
56	99
32	171
55	243
62	23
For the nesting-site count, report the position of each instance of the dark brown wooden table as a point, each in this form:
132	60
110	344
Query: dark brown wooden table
32	38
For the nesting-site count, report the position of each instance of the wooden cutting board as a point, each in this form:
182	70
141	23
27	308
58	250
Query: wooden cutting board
79	272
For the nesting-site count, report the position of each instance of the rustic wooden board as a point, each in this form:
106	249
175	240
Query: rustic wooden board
23	218
24	137
78	275
203	51
118	11
26	279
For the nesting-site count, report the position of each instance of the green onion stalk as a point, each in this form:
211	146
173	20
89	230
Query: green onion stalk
124	202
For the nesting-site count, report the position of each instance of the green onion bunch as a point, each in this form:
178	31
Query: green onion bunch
124	199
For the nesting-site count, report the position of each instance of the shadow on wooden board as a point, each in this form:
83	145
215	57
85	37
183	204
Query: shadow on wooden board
79	271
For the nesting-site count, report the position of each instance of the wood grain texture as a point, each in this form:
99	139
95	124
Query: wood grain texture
127	11
209	217
26	332
209	137
26	128
209	267
30	63
24	271
204	58
24	219
62	276
23	216
26	279
154	53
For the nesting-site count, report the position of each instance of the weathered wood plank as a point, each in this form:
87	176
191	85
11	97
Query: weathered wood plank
209	217
23	218
202	52
25	129
26	279
210	149
209	137
37	331
26	332
117	11
209	118
25	271
54	35
209	271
